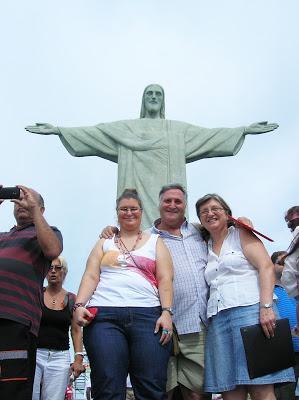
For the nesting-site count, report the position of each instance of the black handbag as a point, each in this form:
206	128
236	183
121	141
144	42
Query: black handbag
264	355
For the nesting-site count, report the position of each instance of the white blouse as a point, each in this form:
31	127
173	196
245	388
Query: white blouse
232	279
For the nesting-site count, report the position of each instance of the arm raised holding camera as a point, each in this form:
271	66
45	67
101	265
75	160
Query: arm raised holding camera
29	209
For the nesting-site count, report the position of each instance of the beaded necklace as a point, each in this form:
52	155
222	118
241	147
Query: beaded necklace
125	254
122	258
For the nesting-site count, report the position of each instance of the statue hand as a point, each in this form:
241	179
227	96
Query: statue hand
260	127
43	129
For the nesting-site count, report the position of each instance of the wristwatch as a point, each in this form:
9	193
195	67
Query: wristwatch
79	353
169	309
266	305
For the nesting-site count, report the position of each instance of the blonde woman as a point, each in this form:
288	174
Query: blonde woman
53	361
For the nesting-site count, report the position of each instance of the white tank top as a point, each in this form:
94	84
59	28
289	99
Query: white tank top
127	281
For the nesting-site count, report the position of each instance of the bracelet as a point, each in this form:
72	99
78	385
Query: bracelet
79	353
77	305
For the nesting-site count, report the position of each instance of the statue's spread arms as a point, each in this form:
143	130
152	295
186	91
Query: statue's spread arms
219	142
81	141
102	140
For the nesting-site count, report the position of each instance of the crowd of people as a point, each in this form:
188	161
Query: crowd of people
164	305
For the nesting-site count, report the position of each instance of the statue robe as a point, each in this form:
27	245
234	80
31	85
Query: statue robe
151	152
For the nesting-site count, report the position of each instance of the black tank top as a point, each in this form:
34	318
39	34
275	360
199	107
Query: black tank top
54	329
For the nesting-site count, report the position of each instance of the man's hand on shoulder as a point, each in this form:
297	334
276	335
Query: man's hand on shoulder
246	221
108	232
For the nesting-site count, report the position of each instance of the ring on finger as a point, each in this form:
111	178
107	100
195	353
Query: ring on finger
166	331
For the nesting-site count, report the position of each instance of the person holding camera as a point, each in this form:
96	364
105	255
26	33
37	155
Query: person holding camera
26	252
128	285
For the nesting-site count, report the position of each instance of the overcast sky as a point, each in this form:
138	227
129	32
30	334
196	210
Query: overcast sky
78	63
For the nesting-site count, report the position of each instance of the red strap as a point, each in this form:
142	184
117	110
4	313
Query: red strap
248	227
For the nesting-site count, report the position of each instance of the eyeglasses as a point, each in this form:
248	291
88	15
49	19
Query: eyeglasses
57	268
213	210
125	210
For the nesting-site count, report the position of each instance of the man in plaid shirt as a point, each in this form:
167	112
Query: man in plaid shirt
189	255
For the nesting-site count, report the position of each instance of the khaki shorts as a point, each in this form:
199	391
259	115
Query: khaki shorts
187	368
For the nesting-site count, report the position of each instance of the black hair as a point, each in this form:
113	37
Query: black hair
276	255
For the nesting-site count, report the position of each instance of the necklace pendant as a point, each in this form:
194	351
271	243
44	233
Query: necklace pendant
122	261
53	301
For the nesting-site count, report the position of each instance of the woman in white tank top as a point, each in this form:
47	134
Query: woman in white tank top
127	285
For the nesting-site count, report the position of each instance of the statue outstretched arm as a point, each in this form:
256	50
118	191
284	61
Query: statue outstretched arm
43	129
260	127
219	142
81	141
212	142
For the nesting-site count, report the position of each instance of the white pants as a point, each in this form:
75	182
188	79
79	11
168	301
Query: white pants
51	375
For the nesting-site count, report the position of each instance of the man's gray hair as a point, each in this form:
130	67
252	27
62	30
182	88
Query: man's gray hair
173	186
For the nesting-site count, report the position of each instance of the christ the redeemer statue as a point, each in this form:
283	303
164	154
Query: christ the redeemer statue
151	151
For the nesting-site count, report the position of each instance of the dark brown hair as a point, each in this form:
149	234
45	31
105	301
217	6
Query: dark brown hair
202	201
291	211
129	194
276	255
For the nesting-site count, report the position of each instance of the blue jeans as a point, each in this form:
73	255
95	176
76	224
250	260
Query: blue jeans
121	340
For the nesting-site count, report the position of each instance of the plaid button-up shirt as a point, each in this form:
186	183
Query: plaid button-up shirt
189	256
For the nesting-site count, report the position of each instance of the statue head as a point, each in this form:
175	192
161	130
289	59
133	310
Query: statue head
153	102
